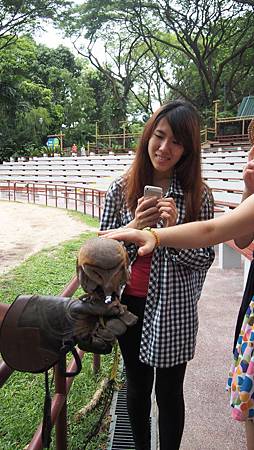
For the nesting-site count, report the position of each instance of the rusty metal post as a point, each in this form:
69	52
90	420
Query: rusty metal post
84	200
99	205
96	363
66	197
61	421
5	373
60	385
92	202
75	198
3	310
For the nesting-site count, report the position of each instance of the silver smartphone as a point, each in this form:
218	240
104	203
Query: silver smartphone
152	191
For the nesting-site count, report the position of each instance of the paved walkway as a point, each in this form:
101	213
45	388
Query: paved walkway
208	423
27	228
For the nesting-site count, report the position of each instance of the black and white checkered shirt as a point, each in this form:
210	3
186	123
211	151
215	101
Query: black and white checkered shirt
171	318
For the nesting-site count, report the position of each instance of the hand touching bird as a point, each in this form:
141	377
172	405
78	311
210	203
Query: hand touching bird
102	270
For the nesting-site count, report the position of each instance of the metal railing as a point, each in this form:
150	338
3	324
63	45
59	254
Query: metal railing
89	201
78	198
62	387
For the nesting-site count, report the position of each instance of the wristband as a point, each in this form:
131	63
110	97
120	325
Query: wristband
155	235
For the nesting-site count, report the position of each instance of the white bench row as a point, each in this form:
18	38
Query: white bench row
125	162
76	169
223	166
222	175
82	163
56	178
229	157
119	156
215	152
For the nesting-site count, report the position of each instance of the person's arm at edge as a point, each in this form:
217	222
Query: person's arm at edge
193	234
248	177
244	241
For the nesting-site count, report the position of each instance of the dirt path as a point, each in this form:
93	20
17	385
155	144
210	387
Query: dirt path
26	228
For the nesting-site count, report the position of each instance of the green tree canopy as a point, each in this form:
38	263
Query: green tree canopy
198	49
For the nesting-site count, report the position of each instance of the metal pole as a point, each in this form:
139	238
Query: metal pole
3	310
124	144
66	198
96	134
76	199
215	116
96	363
61	421
61	143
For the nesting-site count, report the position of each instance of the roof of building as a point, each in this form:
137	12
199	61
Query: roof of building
246	107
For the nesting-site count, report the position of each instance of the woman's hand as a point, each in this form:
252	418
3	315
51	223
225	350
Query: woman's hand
144	239
147	213
168	211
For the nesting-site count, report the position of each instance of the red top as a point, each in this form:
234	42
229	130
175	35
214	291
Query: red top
139	279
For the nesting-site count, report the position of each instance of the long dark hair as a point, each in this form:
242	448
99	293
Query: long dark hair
183	119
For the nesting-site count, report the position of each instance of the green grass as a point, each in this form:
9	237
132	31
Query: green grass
22	396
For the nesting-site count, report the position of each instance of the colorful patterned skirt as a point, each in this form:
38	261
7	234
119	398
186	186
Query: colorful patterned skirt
241	376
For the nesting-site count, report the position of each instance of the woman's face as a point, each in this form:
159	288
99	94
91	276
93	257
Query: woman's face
163	149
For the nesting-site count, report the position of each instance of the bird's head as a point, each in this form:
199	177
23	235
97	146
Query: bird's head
102	266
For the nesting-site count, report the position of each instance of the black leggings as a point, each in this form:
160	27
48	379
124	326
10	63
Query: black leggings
140	378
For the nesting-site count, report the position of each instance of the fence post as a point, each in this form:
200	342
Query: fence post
84	200
92	202
75	199
99	205
96	363
61	421
66	198
56	195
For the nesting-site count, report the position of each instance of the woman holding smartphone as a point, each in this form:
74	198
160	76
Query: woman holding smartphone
165	285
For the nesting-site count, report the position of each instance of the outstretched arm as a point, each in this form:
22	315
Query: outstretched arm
231	225
248	178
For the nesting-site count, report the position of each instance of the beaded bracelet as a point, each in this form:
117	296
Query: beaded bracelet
155	235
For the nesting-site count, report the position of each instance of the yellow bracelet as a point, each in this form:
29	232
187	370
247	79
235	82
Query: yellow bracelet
155	235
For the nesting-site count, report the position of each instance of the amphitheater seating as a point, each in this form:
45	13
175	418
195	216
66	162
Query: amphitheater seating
67	170
221	170
222	165
227	145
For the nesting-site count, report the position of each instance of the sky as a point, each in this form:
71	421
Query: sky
52	38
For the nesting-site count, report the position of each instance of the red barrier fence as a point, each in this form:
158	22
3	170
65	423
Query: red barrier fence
78	198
